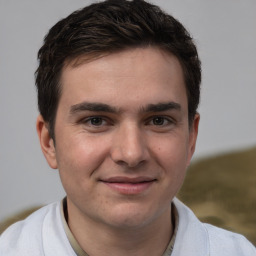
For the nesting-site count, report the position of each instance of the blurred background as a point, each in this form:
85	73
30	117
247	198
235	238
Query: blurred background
224	31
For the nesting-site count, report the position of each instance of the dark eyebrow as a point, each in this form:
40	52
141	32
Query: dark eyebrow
87	106
101	107
159	107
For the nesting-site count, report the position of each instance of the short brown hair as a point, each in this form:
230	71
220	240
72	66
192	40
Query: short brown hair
107	27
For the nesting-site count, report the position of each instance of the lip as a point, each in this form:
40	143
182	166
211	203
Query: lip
129	186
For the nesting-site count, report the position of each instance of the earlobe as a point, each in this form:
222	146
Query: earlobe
46	142
193	137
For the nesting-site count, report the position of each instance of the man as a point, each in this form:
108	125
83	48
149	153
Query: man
118	89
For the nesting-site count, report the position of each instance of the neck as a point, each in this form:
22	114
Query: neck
97	238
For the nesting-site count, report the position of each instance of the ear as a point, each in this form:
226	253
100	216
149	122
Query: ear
46	142
193	131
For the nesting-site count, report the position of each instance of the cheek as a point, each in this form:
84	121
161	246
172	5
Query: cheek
80	158
78	167
172	150
171	154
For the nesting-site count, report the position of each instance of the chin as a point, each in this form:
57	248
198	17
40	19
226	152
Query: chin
131	216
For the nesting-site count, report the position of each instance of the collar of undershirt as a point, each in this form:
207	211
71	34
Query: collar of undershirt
80	252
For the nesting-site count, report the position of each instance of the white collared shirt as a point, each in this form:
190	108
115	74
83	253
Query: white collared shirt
43	233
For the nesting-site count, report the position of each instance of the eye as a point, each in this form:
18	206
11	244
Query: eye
160	123
95	121
159	120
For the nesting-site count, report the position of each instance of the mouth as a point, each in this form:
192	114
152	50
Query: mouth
129	186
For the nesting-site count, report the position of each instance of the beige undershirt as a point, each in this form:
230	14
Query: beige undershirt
80	252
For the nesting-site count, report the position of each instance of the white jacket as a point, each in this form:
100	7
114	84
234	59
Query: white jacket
42	234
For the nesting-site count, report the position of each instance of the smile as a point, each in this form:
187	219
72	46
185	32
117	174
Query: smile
129	186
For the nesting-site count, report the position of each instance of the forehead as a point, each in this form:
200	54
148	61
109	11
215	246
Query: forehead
138	72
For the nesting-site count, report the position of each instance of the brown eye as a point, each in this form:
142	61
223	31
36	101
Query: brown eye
158	120
96	121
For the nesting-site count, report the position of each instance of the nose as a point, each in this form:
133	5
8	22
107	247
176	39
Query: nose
129	146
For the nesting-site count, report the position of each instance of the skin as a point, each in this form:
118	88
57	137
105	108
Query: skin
122	147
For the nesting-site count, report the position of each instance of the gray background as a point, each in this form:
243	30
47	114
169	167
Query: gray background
225	33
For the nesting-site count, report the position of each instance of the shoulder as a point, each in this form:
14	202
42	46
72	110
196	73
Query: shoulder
25	237
223	242
195	236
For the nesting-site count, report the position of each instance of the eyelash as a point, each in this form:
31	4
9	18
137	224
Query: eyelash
91	118
163	119
150	121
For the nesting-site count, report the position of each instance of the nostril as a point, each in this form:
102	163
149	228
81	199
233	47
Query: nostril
130	164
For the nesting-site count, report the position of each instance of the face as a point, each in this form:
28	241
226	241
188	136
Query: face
122	140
